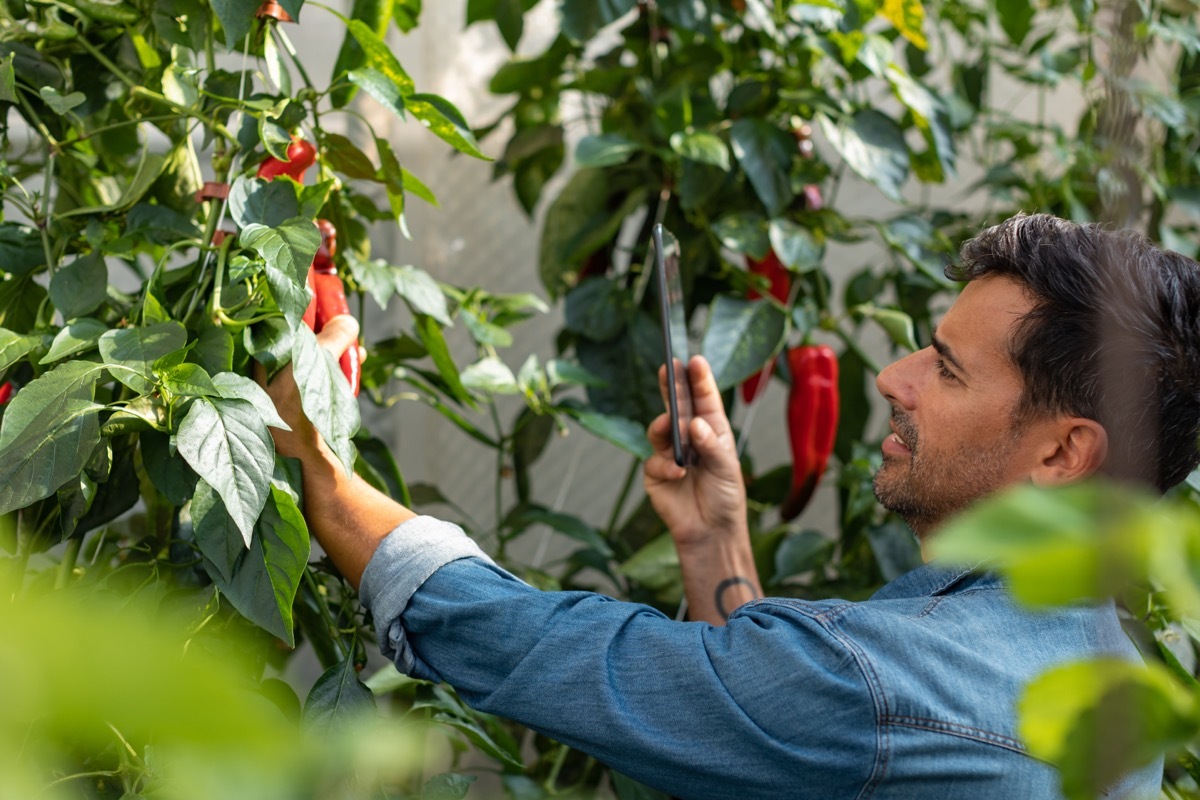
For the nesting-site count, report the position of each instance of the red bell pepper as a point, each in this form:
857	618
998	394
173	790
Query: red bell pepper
301	155
812	416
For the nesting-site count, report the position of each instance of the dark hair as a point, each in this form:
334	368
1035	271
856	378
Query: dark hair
1114	336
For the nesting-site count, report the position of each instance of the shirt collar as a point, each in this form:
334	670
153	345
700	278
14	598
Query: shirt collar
929	580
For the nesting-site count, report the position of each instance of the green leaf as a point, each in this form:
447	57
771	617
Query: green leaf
257	201
1016	18
8	85
136	349
60	104
566	524
15	346
597	308
765	153
227	444
268	574
626	434
373	17
232	386
20	300
21	249
581	19
378	56
422	293
909	18
450	785
930	115
78	288
48	433
741	336
656	565
606	150
376	276
799	553
236	16
213	350
383	89
795	245
288	250
187	380
704	148
216	532
446	122
490	375
325	395
744	232
343	156
392	175
413	185
1100	720
480	738
430	333
270	343
337	699
873	146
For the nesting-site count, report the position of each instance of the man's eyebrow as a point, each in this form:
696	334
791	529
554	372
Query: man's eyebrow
945	352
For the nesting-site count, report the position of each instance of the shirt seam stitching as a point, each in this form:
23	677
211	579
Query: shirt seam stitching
955	729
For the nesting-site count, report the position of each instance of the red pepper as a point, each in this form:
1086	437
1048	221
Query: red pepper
812	416
6	392
330	298
301	155
780	286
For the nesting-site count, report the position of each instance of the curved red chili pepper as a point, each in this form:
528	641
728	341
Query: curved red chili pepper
812	417
780	282
7	390
301	155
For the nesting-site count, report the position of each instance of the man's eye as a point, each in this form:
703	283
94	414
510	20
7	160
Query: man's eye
945	373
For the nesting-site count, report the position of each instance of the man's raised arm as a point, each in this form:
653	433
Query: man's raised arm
704	505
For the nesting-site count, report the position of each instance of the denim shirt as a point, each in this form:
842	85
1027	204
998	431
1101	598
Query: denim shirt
907	696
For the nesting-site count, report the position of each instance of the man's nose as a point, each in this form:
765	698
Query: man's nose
896	381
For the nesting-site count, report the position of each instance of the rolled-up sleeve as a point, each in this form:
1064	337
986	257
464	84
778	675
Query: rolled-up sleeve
697	710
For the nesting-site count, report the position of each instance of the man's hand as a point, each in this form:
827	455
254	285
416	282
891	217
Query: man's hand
704	505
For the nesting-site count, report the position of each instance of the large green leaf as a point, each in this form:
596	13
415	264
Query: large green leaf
288	250
873	146
372	16
238	387
49	431
741	336
605	150
381	87
597	308
78	337
702	147
378	56
581	19
441	117
337	699
20	299
227	443
325	395
216	532
795	245
137	349
565	524
267	575
765	153
21	250
422	293
254	200
626	434
744	232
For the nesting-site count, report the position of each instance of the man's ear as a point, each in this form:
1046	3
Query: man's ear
1077	450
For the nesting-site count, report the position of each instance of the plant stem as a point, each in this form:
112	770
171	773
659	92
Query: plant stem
560	758
622	496
326	615
500	440
67	566
853	347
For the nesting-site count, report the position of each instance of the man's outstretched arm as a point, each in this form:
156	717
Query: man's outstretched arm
704	505
347	515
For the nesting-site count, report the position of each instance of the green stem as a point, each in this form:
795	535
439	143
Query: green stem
560	758
622	497
499	471
67	566
107	62
326	615
853	347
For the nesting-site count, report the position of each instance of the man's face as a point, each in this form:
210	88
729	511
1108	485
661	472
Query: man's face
953	438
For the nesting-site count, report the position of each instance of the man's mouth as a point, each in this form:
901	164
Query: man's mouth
901	440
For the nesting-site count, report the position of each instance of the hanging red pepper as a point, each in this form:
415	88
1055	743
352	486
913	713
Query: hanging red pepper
330	299
301	155
7	390
812	416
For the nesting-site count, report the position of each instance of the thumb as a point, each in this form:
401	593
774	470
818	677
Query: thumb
339	334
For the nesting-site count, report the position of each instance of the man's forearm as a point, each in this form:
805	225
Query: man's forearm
718	576
348	516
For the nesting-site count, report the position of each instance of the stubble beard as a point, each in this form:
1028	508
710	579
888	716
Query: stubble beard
927	488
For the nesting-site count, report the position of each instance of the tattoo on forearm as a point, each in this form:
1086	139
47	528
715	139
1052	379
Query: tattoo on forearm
726	585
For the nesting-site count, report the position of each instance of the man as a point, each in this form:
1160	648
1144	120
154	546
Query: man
908	695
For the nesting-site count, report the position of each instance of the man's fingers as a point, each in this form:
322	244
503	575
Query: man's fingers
339	334
706	397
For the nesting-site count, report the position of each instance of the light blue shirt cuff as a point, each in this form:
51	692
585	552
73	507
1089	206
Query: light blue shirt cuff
402	563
